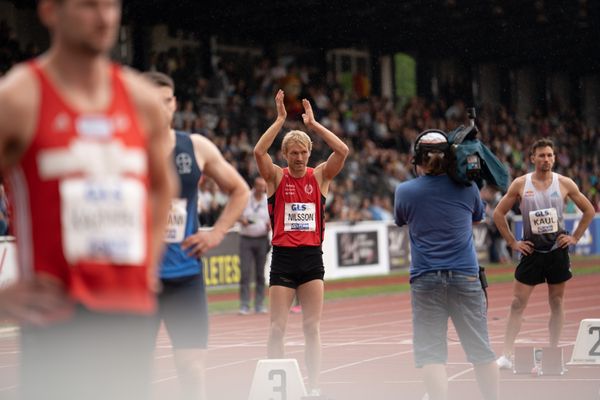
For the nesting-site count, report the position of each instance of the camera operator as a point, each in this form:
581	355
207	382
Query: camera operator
444	271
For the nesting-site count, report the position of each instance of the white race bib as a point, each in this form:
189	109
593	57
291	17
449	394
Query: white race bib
175	230
103	219
300	217
543	221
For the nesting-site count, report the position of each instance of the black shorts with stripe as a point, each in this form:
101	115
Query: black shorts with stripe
553	267
294	266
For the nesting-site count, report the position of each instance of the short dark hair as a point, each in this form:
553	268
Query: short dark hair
541	143
159	79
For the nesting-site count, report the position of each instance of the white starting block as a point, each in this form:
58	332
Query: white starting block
525	359
552	362
277	379
538	360
587	344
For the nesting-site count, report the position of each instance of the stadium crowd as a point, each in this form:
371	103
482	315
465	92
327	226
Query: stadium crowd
233	105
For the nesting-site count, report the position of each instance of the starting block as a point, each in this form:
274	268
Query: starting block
539	360
552	361
525	359
587	344
277	379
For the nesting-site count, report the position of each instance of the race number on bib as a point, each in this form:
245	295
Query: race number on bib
103	220
175	231
543	221
300	217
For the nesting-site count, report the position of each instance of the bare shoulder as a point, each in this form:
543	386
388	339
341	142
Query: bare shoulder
19	91
565	180
567	183
200	140
20	97
518	183
205	150
203	145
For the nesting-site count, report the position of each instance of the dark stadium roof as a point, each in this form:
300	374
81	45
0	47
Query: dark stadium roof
549	31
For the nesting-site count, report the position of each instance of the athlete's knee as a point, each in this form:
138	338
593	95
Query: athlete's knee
277	330
518	305
556	303
311	327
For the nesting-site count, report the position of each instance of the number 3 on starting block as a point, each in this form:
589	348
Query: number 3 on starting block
278	379
587	345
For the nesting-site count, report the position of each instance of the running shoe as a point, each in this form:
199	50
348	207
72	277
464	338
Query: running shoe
244	310
262	310
504	362
296	309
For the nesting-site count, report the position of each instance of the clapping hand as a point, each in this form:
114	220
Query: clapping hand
281	112
308	117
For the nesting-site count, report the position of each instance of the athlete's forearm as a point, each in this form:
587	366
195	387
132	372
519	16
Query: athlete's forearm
584	222
234	208
333	141
502	225
267	138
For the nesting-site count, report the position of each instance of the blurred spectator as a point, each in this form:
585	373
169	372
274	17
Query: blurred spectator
254	246
210	202
497	249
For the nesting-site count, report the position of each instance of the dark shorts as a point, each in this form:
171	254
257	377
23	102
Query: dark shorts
293	266
184	310
553	267
439	295
91	356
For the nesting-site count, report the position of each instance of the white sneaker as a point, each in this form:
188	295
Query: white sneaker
244	310
504	362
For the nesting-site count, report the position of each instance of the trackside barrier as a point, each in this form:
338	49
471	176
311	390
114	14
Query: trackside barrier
277	379
587	344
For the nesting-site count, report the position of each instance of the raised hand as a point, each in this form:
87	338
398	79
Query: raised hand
281	112
308	117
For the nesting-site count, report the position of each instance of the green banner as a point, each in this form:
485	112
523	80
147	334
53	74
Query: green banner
405	75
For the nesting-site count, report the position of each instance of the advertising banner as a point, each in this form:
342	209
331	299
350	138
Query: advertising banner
357	248
399	247
222	264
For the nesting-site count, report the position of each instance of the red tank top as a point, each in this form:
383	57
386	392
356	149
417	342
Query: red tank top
80	194
296	210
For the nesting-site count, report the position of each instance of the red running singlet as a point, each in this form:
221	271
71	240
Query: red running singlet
296	210
80	200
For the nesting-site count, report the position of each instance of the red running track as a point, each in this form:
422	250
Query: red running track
367	350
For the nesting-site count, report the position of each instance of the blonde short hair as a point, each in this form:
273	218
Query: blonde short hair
296	137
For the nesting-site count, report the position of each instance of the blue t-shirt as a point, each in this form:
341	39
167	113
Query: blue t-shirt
176	263
440	215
